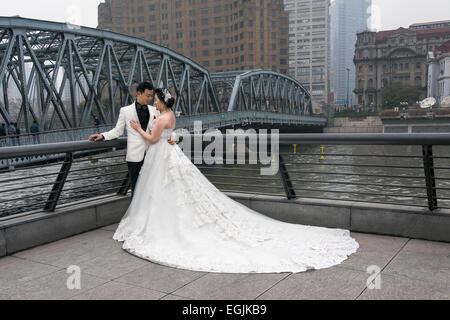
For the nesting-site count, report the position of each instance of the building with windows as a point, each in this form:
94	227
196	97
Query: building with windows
430	25
347	18
221	35
382	58
439	72
308	47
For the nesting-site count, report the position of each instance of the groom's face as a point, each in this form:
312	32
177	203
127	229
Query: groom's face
146	97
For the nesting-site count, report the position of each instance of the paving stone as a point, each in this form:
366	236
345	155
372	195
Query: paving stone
74	251
404	288
220	286
49	287
330	284
113	265
174	297
119	291
112	227
373	250
423	260
14	271
160	278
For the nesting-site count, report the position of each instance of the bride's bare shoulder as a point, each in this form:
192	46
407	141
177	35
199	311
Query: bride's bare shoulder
165	118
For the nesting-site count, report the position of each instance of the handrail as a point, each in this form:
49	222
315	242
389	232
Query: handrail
60	147
54	131
426	141
419	139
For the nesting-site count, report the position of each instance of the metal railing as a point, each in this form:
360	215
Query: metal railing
402	169
52	136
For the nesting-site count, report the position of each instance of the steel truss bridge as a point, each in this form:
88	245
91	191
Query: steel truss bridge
62	76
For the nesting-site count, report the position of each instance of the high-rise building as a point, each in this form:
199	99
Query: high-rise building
347	18
308	47
221	35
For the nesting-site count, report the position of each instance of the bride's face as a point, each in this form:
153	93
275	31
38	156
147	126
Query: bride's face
158	103
160	106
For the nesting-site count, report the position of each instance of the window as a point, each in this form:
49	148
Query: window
418	81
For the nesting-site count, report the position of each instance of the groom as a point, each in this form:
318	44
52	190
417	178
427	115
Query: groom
136	145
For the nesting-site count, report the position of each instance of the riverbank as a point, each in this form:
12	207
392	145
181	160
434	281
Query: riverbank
356	124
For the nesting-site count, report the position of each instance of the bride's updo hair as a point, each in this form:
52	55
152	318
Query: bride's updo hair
165	96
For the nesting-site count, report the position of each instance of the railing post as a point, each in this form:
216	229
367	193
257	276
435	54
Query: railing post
53	198
125	186
430	180
287	183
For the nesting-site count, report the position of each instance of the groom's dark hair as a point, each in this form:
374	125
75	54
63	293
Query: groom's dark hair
144	86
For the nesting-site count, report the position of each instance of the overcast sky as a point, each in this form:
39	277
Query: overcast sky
391	14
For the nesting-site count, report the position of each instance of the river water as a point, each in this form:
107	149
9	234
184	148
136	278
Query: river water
356	173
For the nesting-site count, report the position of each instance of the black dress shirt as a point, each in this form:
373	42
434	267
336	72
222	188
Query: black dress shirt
143	115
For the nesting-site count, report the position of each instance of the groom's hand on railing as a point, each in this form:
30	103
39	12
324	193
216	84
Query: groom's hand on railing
96	137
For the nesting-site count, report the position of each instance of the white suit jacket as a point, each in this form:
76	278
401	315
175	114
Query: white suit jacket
137	146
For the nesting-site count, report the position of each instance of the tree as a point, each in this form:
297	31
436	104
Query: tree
397	92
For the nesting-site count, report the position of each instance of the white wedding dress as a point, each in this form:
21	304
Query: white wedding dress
177	218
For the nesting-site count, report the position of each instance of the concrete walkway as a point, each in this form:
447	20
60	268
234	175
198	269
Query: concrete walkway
410	269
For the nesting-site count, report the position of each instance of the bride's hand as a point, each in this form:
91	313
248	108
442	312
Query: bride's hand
135	125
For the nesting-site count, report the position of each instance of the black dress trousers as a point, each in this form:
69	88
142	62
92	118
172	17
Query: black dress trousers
134	168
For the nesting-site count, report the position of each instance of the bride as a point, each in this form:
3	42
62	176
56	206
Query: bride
179	219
